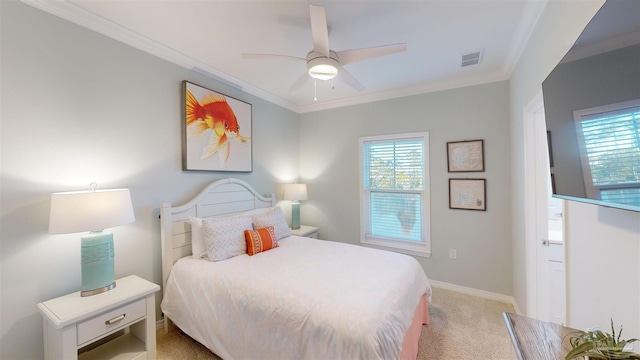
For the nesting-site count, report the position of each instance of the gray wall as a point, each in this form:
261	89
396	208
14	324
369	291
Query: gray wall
79	107
329	163
602	245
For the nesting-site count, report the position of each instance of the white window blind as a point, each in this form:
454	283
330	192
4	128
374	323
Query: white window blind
610	148
395	192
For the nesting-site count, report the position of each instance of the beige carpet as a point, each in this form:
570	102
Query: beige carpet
461	327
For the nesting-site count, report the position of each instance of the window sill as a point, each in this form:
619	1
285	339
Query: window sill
415	251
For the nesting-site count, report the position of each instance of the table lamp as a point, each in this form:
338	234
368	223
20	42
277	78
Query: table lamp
295	192
93	211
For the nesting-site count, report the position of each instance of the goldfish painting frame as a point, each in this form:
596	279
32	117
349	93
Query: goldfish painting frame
216	131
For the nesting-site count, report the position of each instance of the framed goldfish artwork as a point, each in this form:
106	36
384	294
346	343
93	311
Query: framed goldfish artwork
216	132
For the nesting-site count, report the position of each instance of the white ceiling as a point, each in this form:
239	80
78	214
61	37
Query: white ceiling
209	36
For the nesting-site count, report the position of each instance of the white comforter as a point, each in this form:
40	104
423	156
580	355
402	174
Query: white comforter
307	299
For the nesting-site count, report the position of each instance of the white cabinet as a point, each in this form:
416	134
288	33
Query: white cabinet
72	322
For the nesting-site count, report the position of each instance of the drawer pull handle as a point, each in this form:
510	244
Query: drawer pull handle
115	319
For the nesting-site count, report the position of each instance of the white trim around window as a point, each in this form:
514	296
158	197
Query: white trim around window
394	193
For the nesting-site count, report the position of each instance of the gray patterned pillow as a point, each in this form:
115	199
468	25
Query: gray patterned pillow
274	217
224	237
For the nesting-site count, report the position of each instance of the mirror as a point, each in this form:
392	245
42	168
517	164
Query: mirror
592	111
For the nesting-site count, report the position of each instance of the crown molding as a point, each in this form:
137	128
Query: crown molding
89	20
404	92
604	46
75	14
526	26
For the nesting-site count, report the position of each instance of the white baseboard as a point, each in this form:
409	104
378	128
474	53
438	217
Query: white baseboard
160	324
479	293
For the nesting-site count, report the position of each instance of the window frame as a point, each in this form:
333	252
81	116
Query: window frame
594	191
417	248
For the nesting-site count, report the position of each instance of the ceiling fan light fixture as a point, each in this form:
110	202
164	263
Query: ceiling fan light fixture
323	72
322	67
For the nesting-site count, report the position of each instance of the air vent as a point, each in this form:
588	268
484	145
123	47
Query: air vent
470	58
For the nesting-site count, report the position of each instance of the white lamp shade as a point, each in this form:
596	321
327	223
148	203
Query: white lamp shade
295	192
90	210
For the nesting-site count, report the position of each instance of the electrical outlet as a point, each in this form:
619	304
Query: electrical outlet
453	254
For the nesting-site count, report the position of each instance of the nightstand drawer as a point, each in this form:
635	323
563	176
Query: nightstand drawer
313	235
104	323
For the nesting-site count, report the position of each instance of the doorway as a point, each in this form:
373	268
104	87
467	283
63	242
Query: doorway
544	225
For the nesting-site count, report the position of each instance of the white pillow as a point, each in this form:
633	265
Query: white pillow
224	237
273	217
198	249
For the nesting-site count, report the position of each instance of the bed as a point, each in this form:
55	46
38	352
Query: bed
302	299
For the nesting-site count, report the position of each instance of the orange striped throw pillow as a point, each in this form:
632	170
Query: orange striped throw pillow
260	240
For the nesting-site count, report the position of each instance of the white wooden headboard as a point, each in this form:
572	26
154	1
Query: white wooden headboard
220	198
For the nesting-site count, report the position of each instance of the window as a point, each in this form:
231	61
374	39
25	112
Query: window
610	151
394	193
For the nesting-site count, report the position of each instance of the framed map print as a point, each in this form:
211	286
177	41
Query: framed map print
465	156
467	194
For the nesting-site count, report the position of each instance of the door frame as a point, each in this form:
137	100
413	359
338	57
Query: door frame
538	268
533	251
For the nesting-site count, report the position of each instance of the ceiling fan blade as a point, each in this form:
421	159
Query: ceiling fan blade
271	56
350	56
346	76
302	80
319	30
301	23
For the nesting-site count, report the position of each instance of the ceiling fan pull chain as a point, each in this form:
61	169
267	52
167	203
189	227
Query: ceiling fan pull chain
315	90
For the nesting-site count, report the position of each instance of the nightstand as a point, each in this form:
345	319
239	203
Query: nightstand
306	231
72	322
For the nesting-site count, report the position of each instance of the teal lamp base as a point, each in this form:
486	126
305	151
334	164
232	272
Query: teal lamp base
97	263
295	215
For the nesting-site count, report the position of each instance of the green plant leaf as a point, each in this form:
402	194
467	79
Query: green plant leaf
601	345
579	350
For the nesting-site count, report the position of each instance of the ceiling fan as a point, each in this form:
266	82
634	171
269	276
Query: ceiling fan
324	63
